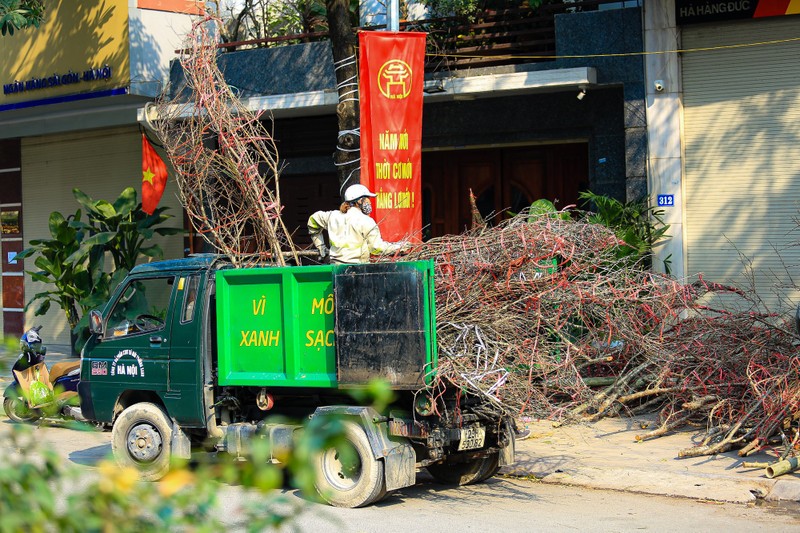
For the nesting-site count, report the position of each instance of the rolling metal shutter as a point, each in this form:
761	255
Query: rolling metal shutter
742	154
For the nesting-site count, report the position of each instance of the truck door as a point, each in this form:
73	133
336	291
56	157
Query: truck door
134	351
185	387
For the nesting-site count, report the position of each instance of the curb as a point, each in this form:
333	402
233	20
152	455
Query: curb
664	483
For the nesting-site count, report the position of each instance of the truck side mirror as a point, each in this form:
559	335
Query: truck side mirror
96	322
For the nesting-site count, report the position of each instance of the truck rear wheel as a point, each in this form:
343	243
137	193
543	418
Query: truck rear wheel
347	474
141	438
489	468
465	473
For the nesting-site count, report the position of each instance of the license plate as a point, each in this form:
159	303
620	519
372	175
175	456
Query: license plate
471	438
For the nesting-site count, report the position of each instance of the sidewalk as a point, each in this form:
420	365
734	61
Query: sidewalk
606	455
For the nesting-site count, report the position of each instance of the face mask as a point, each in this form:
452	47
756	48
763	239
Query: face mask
366	207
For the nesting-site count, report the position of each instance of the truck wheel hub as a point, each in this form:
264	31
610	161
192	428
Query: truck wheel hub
144	443
341	472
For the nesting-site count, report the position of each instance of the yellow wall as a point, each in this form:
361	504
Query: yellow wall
76	36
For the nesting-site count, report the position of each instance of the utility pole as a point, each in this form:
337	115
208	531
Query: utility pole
393	15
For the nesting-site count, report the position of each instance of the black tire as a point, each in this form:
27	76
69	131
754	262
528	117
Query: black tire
142	438
465	473
350	485
489	468
17	410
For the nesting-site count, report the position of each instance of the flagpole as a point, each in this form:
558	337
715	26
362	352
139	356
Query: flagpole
393	15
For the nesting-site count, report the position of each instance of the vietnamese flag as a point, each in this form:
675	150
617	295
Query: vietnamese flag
154	177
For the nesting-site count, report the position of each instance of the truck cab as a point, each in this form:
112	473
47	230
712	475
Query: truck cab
148	343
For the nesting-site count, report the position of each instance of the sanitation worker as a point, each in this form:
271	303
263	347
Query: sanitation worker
353	235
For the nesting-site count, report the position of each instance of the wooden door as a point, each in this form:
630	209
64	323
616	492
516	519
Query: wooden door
503	180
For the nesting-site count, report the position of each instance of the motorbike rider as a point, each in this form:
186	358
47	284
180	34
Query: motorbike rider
353	235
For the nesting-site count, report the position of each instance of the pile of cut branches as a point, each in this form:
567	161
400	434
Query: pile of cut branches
539	316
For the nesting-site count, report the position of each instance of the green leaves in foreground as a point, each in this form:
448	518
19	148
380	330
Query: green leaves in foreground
34	481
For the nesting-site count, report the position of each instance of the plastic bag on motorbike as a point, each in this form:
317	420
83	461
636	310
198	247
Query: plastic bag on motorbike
35	384
40	393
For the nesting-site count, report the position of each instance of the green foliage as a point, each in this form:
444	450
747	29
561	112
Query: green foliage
377	393
462	8
73	260
257	19
295	17
20	14
450	8
33	478
124	228
72	280
638	225
544	207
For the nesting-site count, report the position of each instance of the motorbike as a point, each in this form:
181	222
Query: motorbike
38	391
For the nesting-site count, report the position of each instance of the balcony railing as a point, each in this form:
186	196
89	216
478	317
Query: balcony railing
490	37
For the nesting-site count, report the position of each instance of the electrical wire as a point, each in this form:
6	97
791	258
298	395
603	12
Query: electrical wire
622	54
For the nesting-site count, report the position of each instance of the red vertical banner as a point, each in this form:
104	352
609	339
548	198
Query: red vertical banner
392	74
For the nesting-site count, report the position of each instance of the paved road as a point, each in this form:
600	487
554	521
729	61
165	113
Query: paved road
500	505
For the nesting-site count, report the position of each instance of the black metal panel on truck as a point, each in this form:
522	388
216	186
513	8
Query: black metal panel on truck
383	323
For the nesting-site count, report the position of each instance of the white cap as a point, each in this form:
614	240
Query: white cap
354	192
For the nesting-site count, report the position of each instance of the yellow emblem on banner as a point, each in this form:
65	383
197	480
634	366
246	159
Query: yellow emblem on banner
394	79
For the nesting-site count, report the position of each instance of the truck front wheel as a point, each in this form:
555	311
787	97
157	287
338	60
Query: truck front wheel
141	438
465	473
347	474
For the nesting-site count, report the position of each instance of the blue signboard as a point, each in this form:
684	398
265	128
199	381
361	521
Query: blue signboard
666	200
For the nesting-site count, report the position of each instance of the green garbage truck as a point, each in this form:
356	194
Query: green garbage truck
191	351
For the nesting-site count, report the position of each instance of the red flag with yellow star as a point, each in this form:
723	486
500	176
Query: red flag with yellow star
154	177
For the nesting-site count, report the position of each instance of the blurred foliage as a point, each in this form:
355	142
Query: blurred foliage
34	477
9	348
378	393
38	492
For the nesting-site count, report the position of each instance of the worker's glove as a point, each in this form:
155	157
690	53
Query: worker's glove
324	255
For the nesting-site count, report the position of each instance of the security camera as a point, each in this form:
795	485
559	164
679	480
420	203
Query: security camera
659	85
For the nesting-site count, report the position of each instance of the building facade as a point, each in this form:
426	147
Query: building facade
71	90
695	111
723	129
511	134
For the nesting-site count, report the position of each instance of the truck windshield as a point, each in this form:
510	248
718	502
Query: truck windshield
142	307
